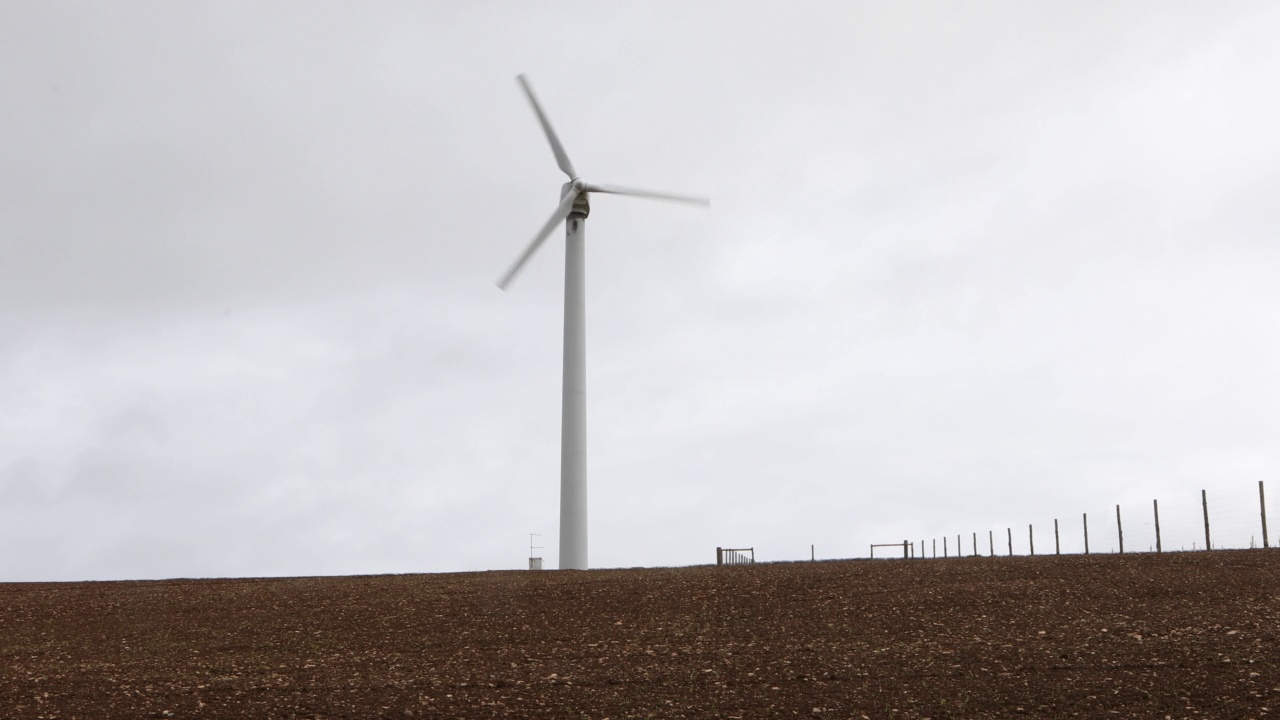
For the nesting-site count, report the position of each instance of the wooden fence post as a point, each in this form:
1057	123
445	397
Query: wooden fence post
1057	545
1204	501
991	542
1010	541
1119	530
1155	506
719	556
959	547
1031	539
935	548
975	544
1086	533
1262	502
944	546
904	550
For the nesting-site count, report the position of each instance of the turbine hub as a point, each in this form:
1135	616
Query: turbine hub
581	207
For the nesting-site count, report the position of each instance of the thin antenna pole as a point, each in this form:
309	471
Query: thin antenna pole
534	565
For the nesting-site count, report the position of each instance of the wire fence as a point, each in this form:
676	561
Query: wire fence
735	556
1223	520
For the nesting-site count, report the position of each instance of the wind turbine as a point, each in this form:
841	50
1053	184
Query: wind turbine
573	210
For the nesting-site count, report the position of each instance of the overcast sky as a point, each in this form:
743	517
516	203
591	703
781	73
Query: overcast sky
968	266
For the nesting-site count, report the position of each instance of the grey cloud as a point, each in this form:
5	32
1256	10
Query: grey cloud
966	266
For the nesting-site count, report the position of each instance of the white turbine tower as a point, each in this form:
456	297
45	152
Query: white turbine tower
573	420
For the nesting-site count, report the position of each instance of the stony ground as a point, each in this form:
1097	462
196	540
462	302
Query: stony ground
1174	635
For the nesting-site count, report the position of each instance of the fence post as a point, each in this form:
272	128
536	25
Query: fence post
1204	501
944	546
991	542
922	556
1031	539
1010	530
975	544
719	556
1155	506
1086	533
935	548
812	557
1262	502
1057	546
1119	530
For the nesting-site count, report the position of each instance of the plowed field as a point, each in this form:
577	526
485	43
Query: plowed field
1176	635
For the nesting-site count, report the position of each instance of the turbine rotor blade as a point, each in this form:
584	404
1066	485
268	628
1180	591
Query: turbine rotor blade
556	218
672	197
562	158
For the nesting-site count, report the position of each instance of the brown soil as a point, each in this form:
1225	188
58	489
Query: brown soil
1176	635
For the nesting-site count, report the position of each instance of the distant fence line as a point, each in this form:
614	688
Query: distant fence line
1235	521
735	556
1203	518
